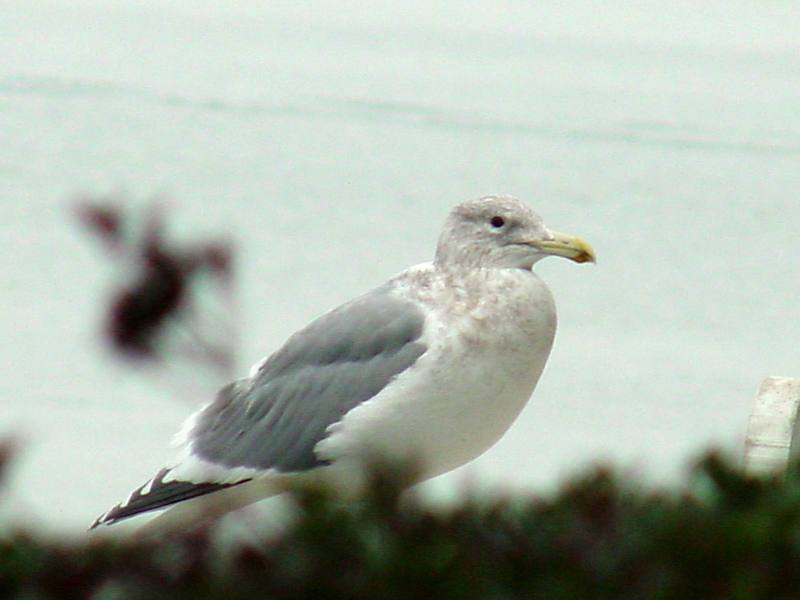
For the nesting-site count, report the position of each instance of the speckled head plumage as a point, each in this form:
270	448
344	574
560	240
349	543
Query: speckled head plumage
501	232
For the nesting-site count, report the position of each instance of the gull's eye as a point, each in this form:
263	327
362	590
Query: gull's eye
497	222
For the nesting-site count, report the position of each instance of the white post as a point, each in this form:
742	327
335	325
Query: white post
773	432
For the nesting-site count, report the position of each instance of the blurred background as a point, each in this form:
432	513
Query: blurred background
329	139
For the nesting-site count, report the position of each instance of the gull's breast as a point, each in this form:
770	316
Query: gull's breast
459	398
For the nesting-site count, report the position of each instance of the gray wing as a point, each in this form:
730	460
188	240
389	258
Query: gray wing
275	419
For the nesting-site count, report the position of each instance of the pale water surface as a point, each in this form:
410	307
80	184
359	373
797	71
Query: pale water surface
330	138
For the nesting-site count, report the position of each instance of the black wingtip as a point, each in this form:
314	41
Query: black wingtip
156	494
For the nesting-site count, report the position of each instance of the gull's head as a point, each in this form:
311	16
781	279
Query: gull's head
501	232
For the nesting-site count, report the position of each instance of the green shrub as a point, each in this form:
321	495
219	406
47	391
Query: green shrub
601	536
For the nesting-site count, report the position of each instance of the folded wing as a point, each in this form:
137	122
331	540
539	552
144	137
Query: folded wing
273	421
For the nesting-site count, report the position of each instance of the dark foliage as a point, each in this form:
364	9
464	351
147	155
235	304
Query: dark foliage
6	452
727	536
162	275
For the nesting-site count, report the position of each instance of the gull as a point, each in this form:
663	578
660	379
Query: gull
432	366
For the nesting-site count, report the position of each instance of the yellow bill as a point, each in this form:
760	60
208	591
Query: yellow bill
568	246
